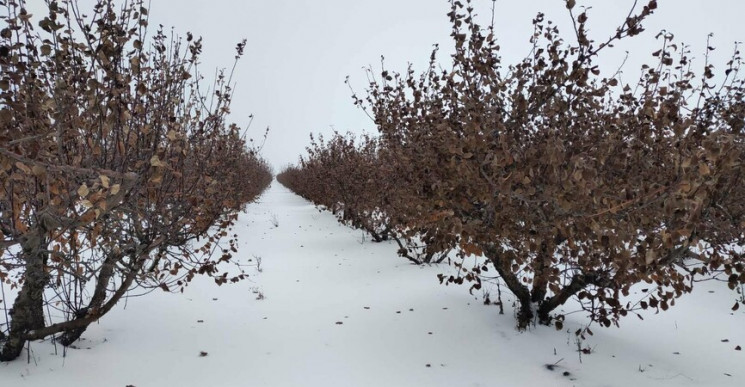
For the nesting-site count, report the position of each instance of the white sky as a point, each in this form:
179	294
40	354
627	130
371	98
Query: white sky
300	51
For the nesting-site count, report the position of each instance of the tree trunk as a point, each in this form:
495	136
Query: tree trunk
403	251
525	309
541	274
579	282
92	315
28	309
69	336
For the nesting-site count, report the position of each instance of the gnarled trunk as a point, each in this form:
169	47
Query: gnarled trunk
28	309
92	314
521	292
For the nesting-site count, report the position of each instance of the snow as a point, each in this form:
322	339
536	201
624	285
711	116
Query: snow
339	310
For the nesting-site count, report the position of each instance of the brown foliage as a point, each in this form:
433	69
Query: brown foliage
115	171
345	177
568	183
366	187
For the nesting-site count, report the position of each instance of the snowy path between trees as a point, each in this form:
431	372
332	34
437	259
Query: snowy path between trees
339	310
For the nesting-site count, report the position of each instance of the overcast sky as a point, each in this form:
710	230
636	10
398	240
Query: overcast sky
300	51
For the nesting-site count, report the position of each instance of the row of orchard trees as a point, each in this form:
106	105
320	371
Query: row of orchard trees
567	183
115	171
367	187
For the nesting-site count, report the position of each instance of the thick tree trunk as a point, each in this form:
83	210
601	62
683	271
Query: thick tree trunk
525	307
28	309
541	274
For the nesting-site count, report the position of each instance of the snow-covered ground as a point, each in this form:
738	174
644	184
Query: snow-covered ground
330	308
